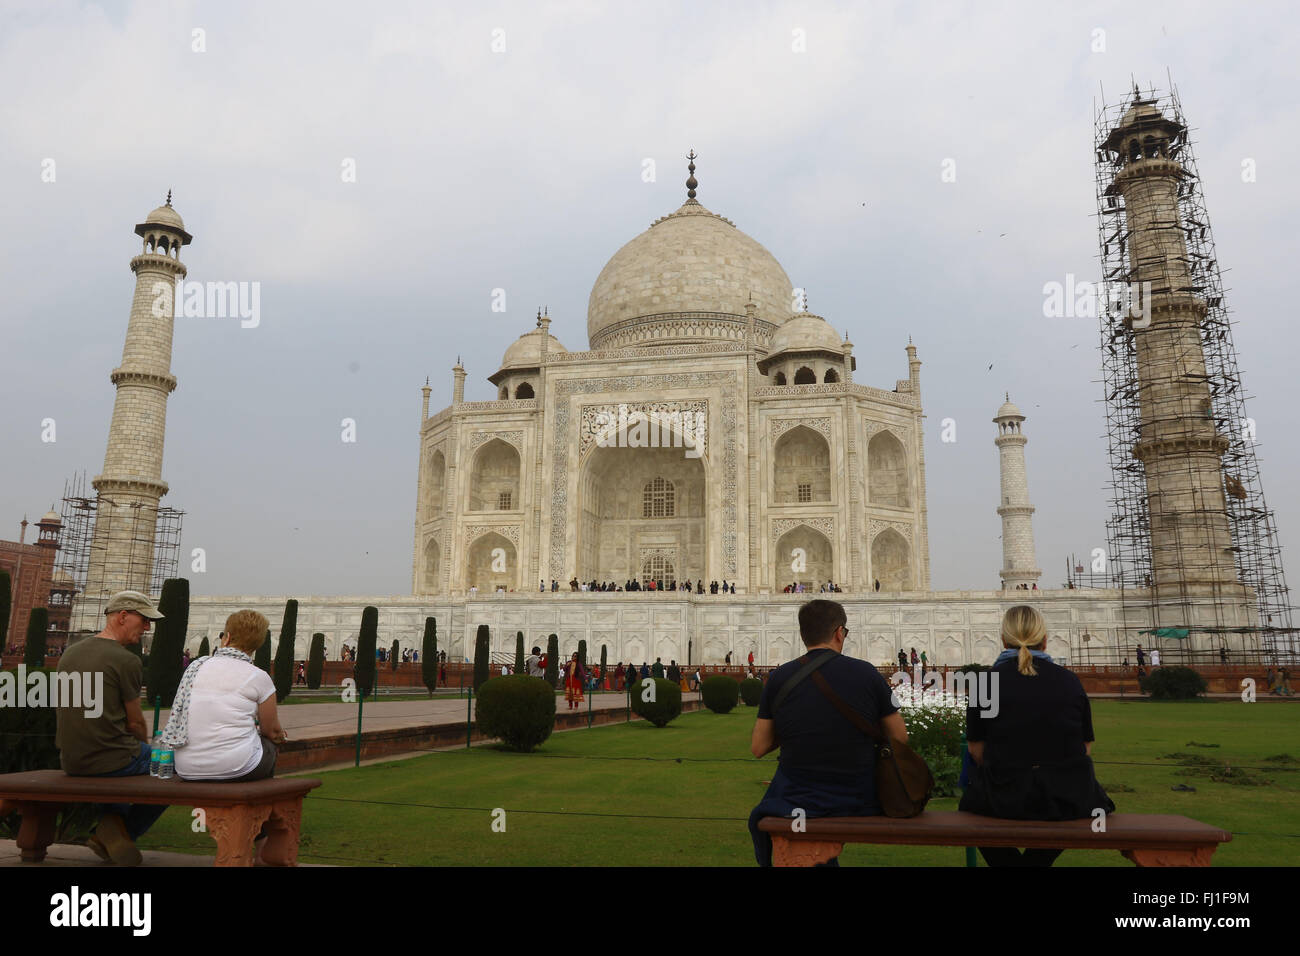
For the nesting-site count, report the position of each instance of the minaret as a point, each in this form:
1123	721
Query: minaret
122	551
1019	566
457	382
1179	445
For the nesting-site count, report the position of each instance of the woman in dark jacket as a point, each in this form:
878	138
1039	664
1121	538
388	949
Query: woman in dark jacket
1031	739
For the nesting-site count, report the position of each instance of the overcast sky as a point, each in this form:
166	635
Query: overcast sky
521	169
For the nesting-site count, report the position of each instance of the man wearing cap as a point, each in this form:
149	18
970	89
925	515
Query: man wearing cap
116	743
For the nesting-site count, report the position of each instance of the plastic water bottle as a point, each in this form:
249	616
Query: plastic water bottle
166	763
153	755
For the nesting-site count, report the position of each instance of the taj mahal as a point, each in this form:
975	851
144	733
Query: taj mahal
710	431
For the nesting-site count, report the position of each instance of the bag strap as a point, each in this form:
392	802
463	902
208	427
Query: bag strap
864	725
810	665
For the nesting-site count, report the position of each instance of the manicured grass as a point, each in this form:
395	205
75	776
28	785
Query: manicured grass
632	794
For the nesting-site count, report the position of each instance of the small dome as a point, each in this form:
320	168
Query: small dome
63	580
51	517
805	333
1008	410
167	216
526	351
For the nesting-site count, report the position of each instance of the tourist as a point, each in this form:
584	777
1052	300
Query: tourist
185	660
114	743
695	681
674	672
923	662
534	667
1032	754
727	659
442	674
1155	657
1284	682
302	674
1142	657
915	660
1223	654
751	661
1270	680
645	670
574	677
827	765
657	671
902	659
877	584
224	725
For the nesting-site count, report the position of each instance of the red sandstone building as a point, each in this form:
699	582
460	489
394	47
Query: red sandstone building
31	571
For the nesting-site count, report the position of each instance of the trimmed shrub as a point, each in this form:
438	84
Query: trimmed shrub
364	671
262	658
720	693
165	653
34	652
665	705
393	656
582	654
604	662
519	652
751	689
553	661
429	655
1173	683
315	661
518	709
205	649
283	675
482	655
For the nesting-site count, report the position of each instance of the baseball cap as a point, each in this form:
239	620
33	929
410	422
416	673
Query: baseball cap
133	601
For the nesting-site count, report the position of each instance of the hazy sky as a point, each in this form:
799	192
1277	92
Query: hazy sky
521	169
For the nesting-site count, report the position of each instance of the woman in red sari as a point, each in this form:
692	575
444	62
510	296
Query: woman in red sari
574	677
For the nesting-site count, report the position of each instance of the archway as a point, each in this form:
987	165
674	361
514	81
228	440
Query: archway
801	463
494	478
802	556
887	478
891	561
435	477
432	581
491	564
805	376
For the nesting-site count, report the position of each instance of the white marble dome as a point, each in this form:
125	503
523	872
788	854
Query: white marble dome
805	332
693	261
167	216
526	351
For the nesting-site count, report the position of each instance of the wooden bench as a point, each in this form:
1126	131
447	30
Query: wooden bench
234	812
1145	839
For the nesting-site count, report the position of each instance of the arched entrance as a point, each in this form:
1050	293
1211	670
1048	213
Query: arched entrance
802	556
491	564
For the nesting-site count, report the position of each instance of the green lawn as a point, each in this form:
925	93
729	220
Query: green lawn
680	795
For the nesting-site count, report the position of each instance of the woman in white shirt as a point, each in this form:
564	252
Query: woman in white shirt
224	724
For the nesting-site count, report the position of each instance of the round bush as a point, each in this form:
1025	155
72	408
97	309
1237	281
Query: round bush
720	693
1173	683
518	709
751	689
666	705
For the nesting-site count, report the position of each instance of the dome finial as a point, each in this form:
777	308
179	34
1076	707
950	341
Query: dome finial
169	197
690	180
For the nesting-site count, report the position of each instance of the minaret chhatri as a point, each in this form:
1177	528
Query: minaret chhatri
122	552
1180	449
1019	566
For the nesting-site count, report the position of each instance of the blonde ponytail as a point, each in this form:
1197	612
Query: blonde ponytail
1023	627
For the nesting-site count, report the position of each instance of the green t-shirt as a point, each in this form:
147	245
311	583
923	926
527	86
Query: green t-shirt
97	745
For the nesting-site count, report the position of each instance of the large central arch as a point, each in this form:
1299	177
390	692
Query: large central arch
804	556
641	507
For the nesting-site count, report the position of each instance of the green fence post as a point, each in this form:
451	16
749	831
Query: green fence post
590	698
361	699
157	702
970	850
468	726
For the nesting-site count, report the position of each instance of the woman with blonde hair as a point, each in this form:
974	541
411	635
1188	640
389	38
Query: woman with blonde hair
1030	741
224	724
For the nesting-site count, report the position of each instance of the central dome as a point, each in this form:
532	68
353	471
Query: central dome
686	278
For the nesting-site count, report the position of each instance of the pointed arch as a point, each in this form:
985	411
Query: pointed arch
891	561
431	583
491	563
435	478
801	461
803	555
494	478
888	480
805	376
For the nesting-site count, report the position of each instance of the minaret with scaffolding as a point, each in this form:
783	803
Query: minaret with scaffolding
1191	539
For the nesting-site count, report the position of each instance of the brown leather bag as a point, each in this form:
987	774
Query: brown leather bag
903	780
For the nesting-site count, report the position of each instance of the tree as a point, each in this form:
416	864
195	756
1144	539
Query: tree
482	654
262	658
553	660
165	653
365	669
582	654
34	653
6	606
315	661
205	649
603	664
392	656
519	652
429	655
284	652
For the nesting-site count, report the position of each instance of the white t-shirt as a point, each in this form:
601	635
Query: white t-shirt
223	740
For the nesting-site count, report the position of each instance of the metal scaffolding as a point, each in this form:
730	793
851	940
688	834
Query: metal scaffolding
80	510
1256	551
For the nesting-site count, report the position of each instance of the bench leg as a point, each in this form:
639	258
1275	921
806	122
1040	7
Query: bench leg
1196	856
234	829
36	832
281	848
787	852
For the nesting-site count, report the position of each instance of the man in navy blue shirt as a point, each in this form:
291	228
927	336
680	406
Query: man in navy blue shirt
827	766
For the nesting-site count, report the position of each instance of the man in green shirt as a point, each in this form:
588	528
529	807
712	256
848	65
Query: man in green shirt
115	742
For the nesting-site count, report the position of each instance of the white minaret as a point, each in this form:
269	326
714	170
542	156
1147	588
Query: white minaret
1018	561
122	552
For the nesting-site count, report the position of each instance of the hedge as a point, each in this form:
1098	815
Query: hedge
518	709
751	690
667	703
720	693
